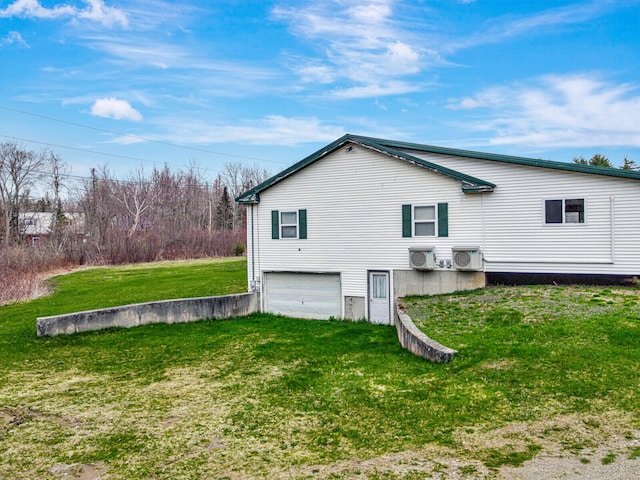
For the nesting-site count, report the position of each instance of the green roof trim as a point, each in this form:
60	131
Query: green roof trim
532	162
253	194
469	183
396	149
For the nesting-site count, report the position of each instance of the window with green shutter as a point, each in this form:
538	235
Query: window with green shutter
275	224
425	220
289	224
407	225
443	219
302	224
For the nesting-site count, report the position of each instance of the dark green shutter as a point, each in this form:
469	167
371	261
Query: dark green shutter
275	224
302	224
443	219
407	226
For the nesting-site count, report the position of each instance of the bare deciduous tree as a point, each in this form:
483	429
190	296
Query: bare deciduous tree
57	171
137	195
19	170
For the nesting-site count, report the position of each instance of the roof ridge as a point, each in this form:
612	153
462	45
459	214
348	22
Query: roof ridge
541	163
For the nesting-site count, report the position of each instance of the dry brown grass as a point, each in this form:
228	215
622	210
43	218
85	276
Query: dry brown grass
23	271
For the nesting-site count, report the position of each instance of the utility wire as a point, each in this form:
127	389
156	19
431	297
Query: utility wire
137	137
125	157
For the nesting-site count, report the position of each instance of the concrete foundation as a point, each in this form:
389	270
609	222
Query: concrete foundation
435	282
354	308
166	311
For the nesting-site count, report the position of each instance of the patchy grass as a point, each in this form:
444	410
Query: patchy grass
271	397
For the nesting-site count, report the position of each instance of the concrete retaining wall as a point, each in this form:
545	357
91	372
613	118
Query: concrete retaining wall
166	311
414	340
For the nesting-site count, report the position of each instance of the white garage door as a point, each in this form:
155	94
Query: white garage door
303	295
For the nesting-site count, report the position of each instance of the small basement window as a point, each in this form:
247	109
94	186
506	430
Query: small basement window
564	211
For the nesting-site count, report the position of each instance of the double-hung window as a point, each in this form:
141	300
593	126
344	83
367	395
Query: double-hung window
564	211
425	220
289	224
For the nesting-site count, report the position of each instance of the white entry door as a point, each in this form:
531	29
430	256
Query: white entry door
379	298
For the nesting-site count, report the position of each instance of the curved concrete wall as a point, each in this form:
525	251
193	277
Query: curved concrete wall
166	311
414	340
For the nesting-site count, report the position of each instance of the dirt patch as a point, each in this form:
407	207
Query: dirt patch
79	471
13	417
430	462
571	446
548	467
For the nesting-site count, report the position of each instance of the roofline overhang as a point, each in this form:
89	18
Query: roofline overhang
396	149
469	184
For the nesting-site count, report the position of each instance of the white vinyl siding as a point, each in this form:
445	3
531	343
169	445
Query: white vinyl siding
354	202
516	238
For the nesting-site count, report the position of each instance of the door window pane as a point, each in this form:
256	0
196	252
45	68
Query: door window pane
379	286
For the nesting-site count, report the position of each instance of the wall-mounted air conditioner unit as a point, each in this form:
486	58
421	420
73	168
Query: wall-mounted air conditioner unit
422	258
467	258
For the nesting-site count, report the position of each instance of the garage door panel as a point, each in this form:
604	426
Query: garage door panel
303	295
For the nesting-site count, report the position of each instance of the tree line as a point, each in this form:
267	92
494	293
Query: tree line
163	214
599	160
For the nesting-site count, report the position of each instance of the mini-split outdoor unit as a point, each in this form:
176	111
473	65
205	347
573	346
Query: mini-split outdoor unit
422	258
467	258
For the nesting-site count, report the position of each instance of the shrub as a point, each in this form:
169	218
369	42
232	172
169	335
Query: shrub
24	268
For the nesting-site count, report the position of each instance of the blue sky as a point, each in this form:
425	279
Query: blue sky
140	83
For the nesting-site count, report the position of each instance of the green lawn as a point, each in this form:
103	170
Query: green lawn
270	397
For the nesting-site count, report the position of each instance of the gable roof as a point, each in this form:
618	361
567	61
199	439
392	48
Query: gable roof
532	162
398	149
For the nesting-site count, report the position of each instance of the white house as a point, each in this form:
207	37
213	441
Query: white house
364	220
36	226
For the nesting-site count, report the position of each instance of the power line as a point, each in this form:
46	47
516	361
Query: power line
109	155
125	157
113	180
137	137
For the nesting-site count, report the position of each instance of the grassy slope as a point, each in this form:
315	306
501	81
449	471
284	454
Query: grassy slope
267	396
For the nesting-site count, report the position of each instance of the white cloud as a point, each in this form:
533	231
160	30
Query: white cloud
116	109
98	12
503	28
270	130
13	38
559	111
362	47
376	90
127	140
95	11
